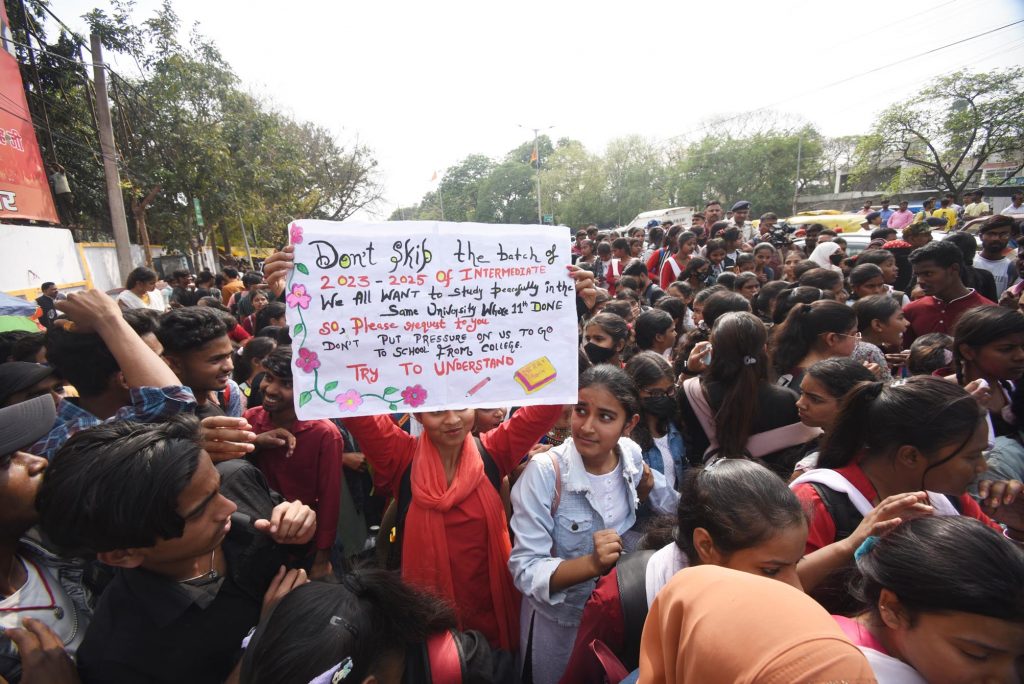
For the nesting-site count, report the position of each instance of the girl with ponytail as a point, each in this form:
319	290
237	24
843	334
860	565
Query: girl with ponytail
943	602
733	411
887	449
810	333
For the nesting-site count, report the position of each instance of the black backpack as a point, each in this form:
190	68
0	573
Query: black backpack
631	577
834	592
391	534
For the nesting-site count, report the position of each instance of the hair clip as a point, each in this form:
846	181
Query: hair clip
947	356
336	674
749	360
865	548
338	620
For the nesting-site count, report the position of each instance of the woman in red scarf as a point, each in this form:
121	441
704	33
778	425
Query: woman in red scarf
455	542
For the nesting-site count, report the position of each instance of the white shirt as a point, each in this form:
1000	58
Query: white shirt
666	458
69	627
130	300
1013	211
609	495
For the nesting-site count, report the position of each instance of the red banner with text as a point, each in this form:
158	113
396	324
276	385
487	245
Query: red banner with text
24	188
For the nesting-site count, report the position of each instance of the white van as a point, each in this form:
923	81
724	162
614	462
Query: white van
682	215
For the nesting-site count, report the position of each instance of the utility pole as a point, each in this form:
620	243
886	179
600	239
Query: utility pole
118	220
536	154
796	183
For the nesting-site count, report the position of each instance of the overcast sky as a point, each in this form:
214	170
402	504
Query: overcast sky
426	83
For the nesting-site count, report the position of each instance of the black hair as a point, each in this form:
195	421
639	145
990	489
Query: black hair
649	325
966	243
740	503
765	246
674	306
875	256
619	307
617	382
656	235
604	248
882	233
980	326
251	278
142	321
928	353
189	328
945	564
762	303
798	334
682	288
940	252
205	277
621	244
789	298
925	412
862	273
47	285
255	350
731	234
116	485
635	268
716	304
714	245
648	368
821	278
744	258
139	275
839	375
26	348
229	272
81	359
627	294
270	311
739	365
179	273
370	616
8	338
803	267
726	280
279	362
742	279
693	268
874	308
613	324
270	331
685	237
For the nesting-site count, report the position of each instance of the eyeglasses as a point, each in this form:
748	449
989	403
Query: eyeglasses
855	335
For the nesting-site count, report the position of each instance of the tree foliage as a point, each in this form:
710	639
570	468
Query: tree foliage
187	126
945	135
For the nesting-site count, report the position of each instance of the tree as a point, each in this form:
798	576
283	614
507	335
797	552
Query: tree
949	131
759	167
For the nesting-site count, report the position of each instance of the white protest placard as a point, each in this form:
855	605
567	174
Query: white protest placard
424	316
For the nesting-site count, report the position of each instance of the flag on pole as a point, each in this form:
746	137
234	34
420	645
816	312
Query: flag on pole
533	156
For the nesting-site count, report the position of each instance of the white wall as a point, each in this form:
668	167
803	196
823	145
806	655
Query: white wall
32	255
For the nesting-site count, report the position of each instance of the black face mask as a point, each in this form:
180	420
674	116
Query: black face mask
660	407
598	354
836	258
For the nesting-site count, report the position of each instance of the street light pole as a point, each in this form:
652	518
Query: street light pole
536	152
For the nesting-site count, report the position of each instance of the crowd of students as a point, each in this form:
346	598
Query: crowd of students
770	442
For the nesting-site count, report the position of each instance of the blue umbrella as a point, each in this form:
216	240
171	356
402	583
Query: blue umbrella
14	306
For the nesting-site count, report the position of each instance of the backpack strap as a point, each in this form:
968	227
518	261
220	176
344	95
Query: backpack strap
557	498
770	441
404	498
631	577
445	660
699	404
844	514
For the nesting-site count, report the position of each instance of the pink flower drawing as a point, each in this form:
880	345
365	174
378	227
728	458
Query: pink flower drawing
298	297
349	401
295	233
307	360
414	396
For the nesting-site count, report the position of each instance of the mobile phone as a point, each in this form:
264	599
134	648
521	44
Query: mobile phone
706	359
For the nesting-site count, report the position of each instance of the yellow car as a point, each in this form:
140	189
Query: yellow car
837	221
